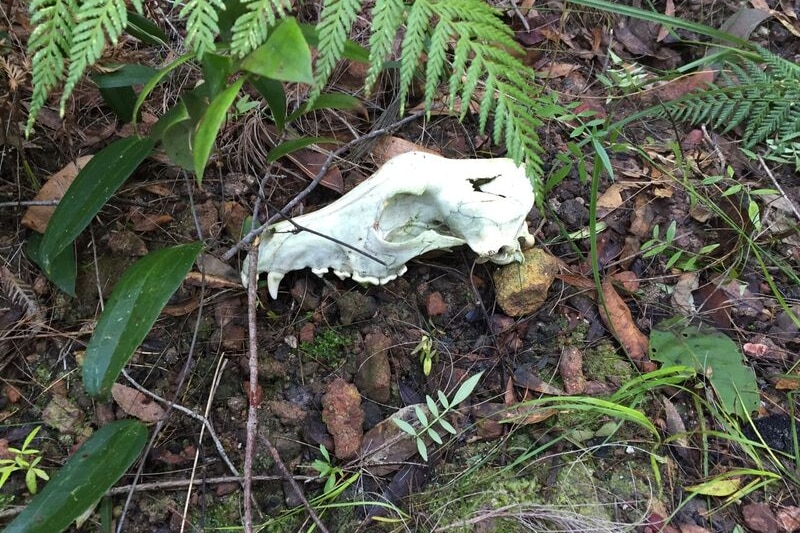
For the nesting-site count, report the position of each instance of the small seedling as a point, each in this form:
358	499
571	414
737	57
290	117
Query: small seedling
427	354
428	427
25	460
331	474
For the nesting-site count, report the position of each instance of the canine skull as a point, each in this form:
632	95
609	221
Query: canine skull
415	203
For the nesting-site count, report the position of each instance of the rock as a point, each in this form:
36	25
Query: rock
63	415
354	306
342	414
435	304
759	518
287	412
522	288
374	376
127	243
574	213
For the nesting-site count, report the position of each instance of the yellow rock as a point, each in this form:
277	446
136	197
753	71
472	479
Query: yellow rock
521	288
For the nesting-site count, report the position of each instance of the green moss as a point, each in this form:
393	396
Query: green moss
328	347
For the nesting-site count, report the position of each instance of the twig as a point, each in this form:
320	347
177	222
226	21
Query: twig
29	203
253	233
188	412
214	385
778	186
166	485
252	414
318	234
273	451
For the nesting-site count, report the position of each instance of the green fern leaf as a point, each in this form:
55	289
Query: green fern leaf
417	25
48	45
99	21
201	24
387	16
336	19
250	29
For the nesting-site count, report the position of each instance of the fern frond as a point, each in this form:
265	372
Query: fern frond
334	26
764	100
201	24
49	45
387	16
250	29
99	21
417	26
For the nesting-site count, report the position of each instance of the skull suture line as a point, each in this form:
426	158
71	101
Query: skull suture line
415	203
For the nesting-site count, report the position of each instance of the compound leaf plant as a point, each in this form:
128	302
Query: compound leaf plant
254	44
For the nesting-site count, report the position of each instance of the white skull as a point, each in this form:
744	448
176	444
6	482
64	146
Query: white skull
415	203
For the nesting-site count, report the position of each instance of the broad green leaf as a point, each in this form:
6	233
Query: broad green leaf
87	475
273	93
121	100
176	114
421	416
287	147
285	56
145	30
216	69
716	487
447	426
124	76
432	406
713	355
327	101
208	127
434	436
177	142
93	186
156	79
422	449
443	399
466	389
405	426
63	269
352	50
133	307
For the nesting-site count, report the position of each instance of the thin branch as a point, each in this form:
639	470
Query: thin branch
188	412
273	451
252	414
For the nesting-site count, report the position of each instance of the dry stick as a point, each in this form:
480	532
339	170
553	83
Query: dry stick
212	392
29	203
188	412
252	415
253	233
778	186
167	485
273	451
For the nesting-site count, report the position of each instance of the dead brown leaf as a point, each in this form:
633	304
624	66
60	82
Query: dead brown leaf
525	376
137	404
389	147
570	366
143	222
618	319
789	519
669	10
310	161
37	216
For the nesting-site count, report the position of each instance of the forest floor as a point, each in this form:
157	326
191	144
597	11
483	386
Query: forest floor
656	456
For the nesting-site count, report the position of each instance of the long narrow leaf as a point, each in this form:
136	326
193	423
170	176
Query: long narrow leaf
93	186
133	307
86	476
209	125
